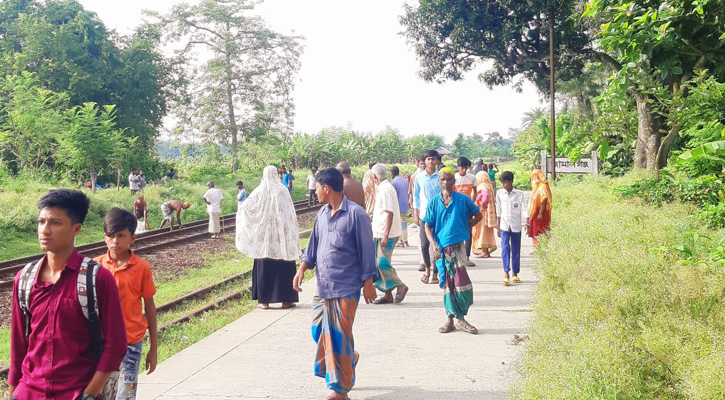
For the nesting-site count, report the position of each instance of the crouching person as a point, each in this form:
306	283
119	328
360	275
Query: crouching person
135	281
67	333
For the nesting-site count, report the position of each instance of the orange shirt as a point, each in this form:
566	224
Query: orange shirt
134	281
465	184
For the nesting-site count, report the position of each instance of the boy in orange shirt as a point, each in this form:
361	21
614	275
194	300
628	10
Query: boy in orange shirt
135	281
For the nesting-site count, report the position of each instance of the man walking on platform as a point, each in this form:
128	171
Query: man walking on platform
425	188
386	230
64	341
448	222
213	199
401	189
351	188
339	251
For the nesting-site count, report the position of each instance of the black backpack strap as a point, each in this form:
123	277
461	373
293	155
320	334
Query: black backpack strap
25	286
86	288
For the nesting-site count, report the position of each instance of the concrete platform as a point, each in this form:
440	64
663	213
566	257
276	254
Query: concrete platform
268	354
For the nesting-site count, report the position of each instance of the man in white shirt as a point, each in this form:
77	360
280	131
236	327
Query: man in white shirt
386	231
311	188
133	181
513	213
213	199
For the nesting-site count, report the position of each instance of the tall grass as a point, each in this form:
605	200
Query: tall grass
630	304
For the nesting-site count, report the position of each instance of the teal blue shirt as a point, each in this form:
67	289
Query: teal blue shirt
450	224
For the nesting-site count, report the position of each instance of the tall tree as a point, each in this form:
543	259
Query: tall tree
656	48
246	68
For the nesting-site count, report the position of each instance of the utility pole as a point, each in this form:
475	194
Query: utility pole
553	93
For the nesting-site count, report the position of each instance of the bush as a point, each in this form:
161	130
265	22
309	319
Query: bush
631	302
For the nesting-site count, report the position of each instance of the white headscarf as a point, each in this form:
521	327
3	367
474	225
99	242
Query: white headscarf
267	222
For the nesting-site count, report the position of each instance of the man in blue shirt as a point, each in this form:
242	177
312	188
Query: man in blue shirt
342	253
448	221
401	188
425	188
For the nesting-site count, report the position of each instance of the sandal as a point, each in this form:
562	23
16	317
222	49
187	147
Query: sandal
263	306
506	281
425	278
517	279
288	305
338	396
399	297
448	327
382	300
465	326
435	280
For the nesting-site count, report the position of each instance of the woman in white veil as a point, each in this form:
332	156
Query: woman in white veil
267	231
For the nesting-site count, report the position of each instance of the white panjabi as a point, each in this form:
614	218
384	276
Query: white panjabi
267	222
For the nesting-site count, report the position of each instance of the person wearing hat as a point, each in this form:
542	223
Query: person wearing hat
213	199
448	221
168	208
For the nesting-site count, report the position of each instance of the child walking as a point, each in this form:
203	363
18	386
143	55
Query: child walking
135	281
513	212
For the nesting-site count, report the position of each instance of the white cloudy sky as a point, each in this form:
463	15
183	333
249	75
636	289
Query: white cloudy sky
358	71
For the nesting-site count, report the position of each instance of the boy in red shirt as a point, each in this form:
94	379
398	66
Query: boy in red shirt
135	281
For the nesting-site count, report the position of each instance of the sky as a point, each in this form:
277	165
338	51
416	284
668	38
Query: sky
358	71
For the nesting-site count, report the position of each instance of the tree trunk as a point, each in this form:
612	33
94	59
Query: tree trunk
648	134
118	178
94	179
230	103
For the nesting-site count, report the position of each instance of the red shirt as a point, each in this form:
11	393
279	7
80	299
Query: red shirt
56	361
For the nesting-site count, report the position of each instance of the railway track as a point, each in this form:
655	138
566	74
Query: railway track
201	292
145	242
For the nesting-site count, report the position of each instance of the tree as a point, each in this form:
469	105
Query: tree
451	38
69	50
90	140
250	68
31	118
656	48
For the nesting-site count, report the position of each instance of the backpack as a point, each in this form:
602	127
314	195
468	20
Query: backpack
86	289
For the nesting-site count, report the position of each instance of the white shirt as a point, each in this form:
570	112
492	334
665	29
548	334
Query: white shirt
311	182
133	181
512	208
215	197
386	200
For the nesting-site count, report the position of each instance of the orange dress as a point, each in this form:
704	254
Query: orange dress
483	235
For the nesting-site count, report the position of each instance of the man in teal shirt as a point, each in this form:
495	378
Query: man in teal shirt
448	221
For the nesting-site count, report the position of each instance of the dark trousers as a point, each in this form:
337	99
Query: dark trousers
425	248
312	197
511	251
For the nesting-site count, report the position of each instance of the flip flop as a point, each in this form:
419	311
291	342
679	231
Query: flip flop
263	307
506	281
435	281
465	326
517	279
399	297
382	300
424	278
448	327
421	268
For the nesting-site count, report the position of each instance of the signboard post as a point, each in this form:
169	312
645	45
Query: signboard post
564	166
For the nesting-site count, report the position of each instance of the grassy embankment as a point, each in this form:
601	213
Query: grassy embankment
631	303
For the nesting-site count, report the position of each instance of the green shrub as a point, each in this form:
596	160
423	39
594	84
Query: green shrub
631	302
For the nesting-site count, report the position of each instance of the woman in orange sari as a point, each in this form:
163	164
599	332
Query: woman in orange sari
483	236
540	206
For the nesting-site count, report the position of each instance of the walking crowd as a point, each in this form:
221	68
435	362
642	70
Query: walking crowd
78	325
